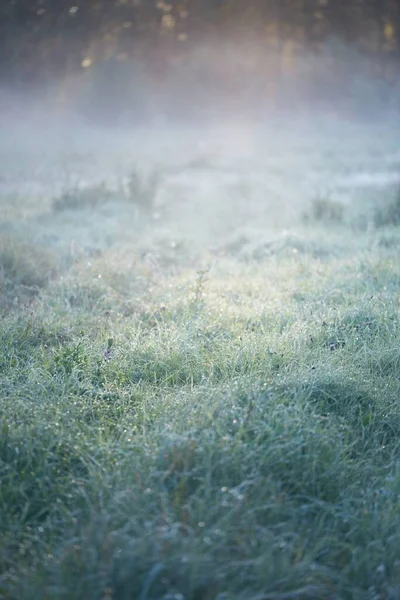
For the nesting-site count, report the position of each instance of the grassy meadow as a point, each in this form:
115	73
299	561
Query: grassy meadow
200	366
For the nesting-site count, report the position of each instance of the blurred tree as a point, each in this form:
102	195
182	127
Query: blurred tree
47	39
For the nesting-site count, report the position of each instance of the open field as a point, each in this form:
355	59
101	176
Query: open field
200	364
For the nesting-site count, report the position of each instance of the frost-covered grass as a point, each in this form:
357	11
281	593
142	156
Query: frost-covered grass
195	416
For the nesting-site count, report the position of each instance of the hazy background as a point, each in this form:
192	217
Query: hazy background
135	61
242	112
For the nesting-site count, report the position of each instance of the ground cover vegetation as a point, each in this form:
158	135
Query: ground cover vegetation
200	391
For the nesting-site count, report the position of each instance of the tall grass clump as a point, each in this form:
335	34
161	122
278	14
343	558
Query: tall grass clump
140	190
324	210
387	213
83	198
25	269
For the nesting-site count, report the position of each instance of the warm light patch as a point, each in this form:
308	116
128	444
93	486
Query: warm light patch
167	22
163	6
86	63
388	31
